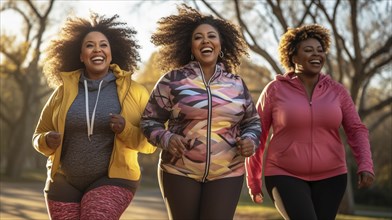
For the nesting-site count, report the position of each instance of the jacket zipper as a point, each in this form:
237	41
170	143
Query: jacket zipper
311	134
310	101
208	151
208	155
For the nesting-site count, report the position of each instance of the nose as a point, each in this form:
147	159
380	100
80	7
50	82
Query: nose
318	52
96	49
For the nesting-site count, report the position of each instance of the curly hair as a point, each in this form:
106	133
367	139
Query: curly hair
63	52
174	36
290	41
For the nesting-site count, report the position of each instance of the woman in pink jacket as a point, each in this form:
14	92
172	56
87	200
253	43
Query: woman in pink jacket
305	168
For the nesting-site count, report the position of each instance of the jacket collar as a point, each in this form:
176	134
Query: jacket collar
194	68
294	79
117	71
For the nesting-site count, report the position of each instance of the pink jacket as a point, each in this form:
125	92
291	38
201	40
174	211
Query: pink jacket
305	141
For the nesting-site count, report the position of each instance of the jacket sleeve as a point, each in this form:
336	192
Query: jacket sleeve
356	132
132	135
250	125
254	164
157	113
45	124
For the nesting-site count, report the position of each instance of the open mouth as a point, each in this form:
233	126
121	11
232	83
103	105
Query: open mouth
206	50
97	59
316	62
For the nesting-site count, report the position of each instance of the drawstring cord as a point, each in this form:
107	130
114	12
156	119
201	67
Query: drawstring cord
90	127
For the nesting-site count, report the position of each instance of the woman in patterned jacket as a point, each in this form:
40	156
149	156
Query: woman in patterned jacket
212	121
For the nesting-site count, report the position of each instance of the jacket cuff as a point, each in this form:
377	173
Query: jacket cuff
254	186
164	143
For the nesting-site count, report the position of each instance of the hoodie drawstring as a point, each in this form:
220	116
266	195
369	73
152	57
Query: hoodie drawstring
90	127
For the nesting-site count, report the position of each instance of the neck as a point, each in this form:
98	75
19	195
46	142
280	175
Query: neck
309	81
95	75
208	71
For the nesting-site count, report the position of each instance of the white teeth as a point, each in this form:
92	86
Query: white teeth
207	49
315	61
97	59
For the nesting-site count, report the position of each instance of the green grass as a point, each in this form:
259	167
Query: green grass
270	213
247	210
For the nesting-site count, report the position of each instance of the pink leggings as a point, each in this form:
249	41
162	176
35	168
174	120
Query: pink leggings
102	203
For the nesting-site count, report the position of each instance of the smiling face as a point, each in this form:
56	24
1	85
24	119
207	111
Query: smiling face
96	54
310	57
206	44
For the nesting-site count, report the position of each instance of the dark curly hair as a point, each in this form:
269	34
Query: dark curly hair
290	40
63	52
174	35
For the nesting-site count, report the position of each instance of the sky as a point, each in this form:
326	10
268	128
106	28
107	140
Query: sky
141	17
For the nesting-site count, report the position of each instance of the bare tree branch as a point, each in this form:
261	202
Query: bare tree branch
254	46
379	121
356	42
277	11
307	11
212	9
379	106
386	48
339	42
376	68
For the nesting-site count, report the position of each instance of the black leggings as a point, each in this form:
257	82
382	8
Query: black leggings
311	200
188	199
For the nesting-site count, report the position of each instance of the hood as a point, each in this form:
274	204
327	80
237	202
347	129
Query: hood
114	68
118	72
291	78
94	84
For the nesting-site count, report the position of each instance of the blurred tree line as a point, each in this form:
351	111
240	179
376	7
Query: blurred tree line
360	58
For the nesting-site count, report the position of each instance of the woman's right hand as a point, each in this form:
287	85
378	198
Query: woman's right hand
177	145
257	198
53	139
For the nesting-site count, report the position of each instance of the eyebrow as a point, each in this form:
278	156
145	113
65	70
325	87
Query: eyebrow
312	47
210	32
101	41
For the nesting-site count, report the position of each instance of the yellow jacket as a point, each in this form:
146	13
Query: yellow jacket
133	98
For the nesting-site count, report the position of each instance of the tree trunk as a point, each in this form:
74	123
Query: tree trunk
16	150
20	143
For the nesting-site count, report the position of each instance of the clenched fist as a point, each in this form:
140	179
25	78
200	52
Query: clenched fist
53	139
117	123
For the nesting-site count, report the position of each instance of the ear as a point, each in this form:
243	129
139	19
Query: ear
81	59
294	59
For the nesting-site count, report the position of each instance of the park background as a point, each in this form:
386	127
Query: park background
360	58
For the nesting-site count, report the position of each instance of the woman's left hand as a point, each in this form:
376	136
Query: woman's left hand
245	146
117	123
365	179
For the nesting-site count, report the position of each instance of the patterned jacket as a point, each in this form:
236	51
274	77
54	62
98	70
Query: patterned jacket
209	114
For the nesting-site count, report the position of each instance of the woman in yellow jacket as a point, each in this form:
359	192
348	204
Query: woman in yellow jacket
89	127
